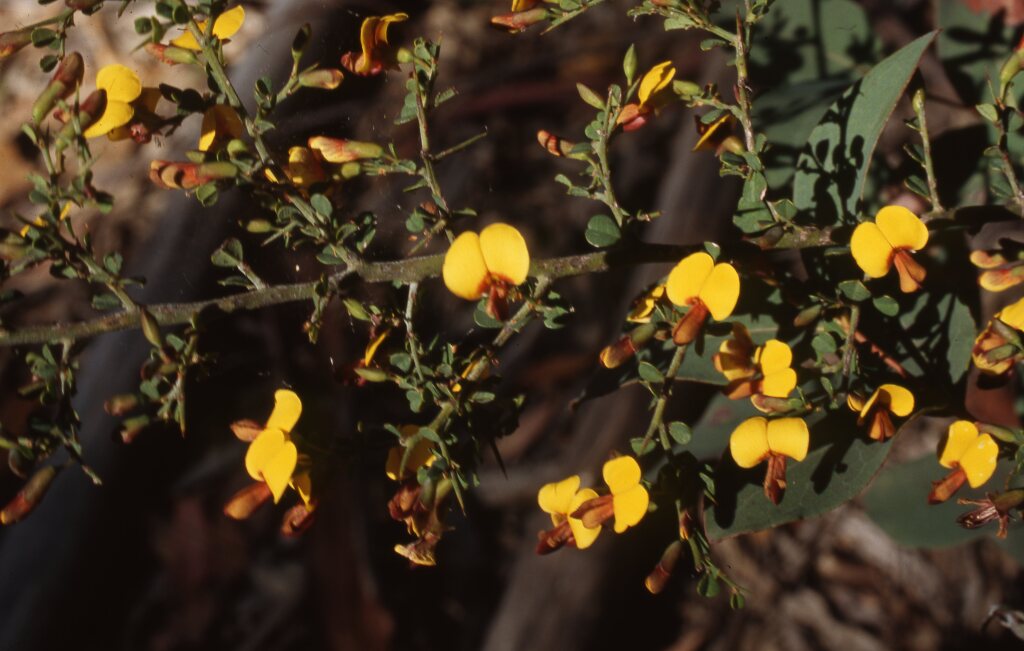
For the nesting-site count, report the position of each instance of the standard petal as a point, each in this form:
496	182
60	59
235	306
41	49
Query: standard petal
464	270
902	228
656	79
748	443
120	82
901	401
287	409
865	408
721	290
381	31
789	436
621	474
219	121
979	460
962	434
505	252
117	114
779	384
263	448
871	251
277	471
371	348
687	278
585	536
557	497
630	507
1013	315
228	23
775	356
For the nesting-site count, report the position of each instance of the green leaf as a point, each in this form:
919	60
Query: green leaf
228	255
649	373
841	462
602	231
629	63
937	337
639	449
886	304
680	432
590	97
832	167
854	290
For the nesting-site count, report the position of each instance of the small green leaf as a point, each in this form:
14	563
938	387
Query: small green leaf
987	111
650	373
854	290
228	255
639	448
590	97
680	432
886	304
629	63
602	231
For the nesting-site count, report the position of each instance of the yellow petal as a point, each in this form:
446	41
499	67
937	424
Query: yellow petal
962	435
1013	315
505	253
644	306
788	436
287	409
303	167
779	384
278	469
585	536
621	474
902	228
630	506
187	41
901	401
775	356
855	402
382	26
120	82
655	80
557	497
116	114
371	348
229	22
979	460
866	406
421	455
687	278
871	251
219	121
705	140
464	270
721	291
748	443
263	448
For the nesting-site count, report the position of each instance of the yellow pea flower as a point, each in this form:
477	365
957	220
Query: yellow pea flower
421	455
755	371
718	136
559	500
644	306
272	456
972	456
758	439
220	124
224	27
376	53
122	87
998	347
888	400
651	96
706	288
489	263
629	497
889	240
303	168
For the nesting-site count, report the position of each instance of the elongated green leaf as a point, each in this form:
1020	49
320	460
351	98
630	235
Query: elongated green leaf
841	462
832	167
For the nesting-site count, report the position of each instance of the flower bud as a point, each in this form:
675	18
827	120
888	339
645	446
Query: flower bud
66	79
29	496
189	176
243	503
259	226
339	150
132	427
90	110
662	572
807	316
246	430
553	144
11	42
121	404
150	328
351	170
520	20
297	520
324	79
171	55
618	353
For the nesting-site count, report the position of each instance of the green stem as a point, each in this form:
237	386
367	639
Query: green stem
926	145
657	423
